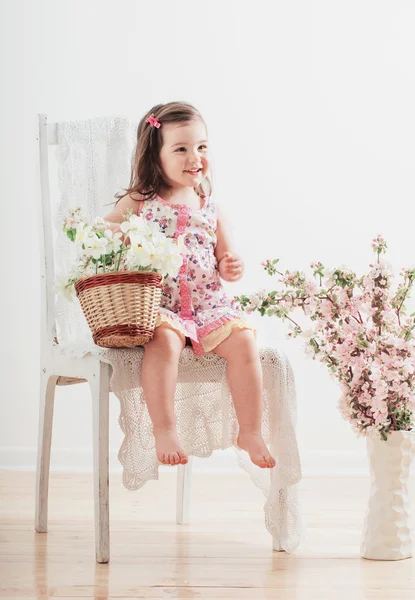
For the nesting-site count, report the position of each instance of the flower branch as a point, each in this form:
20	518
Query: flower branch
359	330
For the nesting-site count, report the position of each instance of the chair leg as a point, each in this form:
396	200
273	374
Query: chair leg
100	386
184	473
47	399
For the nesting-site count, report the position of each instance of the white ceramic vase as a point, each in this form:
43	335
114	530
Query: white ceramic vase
387	532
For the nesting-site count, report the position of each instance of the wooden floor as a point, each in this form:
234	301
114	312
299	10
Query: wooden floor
224	553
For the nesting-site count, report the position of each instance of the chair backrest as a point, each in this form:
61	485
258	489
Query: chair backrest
92	163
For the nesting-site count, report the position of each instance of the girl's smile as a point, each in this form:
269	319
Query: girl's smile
194	173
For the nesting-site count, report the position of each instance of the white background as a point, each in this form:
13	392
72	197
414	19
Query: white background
310	113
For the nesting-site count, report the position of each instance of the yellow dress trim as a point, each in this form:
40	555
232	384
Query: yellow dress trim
166	321
215	337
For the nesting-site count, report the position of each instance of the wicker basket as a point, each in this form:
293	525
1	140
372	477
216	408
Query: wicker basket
121	308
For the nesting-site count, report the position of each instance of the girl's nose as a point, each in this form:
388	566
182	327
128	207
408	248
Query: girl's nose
194	157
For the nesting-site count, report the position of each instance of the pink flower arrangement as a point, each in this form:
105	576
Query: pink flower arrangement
359	330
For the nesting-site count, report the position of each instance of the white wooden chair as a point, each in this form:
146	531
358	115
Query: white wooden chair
282	514
59	369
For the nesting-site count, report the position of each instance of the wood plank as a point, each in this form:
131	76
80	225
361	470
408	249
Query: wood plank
224	552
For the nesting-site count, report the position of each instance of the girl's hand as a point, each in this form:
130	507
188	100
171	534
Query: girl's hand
115	227
231	267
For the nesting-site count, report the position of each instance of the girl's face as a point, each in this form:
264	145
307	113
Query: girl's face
184	155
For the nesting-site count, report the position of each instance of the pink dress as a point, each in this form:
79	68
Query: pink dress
194	303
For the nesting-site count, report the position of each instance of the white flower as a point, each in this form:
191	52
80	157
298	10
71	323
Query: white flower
138	256
96	246
69	223
171	263
307	333
256	300
114	241
75	273
137	228
154	229
408	369
63	287
100	223
159	240
75	219
157	255
309	349
311	288
148	246
83	233
88	270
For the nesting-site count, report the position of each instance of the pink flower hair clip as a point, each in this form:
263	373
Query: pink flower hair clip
153	121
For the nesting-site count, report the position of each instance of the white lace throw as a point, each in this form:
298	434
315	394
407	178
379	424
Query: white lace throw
94	160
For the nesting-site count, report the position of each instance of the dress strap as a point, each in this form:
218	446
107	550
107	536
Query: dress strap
140	207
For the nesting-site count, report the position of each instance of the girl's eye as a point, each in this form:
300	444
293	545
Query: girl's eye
182	148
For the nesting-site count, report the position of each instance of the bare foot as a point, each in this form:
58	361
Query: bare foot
254	444
168	448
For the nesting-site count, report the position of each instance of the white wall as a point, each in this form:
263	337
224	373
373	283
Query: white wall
310	108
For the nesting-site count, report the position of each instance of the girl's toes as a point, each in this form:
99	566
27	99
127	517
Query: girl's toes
176	459
183	458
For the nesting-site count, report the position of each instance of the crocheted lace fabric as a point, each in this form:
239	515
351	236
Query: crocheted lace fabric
94	160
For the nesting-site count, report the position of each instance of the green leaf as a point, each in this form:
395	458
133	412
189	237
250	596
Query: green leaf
71	233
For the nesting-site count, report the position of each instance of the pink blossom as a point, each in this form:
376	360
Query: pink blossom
358	335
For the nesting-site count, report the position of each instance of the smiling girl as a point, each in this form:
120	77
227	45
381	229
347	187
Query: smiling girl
170	184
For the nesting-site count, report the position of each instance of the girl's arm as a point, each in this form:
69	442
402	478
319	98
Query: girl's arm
230	265
117	215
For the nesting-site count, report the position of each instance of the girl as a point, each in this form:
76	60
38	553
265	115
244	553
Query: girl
170	185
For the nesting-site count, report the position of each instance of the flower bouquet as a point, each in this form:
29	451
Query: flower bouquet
117	280
360	330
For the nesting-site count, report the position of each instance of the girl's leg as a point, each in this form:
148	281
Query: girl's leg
159	378
244	374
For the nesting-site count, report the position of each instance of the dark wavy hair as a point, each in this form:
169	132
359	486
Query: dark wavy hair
147	178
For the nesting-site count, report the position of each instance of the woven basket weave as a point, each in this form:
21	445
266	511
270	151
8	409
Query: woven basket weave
121	308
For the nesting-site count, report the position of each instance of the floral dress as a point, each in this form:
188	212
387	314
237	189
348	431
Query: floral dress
194	303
